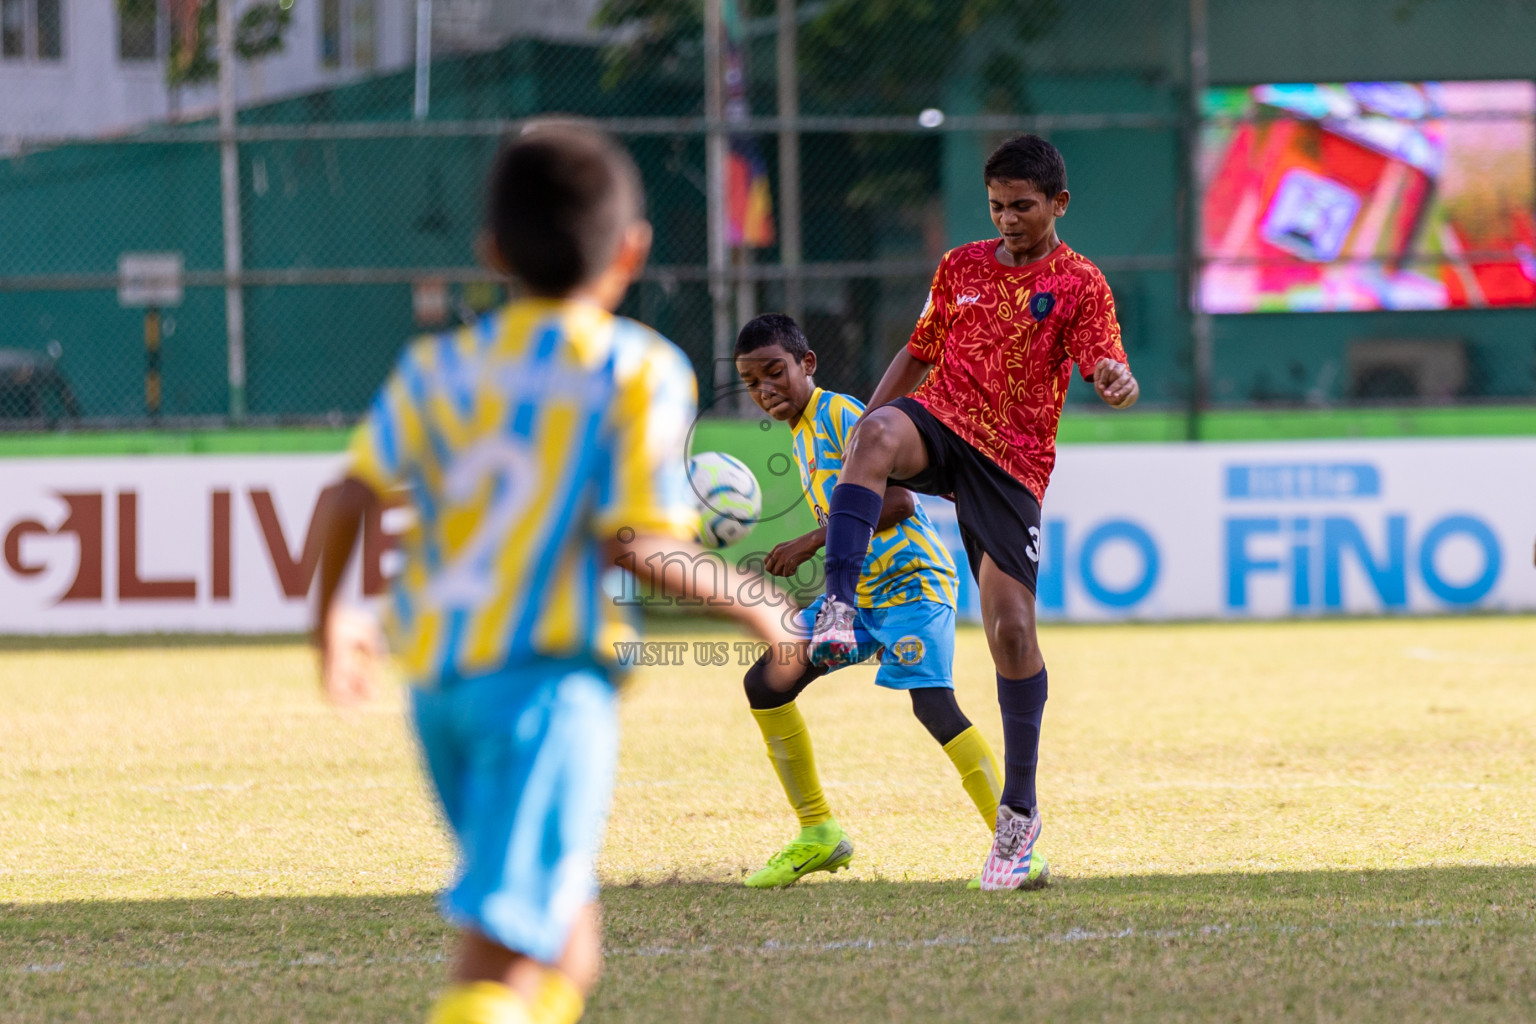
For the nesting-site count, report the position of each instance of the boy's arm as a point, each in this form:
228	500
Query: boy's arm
1094	343
922	350
382	447
350	653
900	505
652	559
646	508
902	377
785	558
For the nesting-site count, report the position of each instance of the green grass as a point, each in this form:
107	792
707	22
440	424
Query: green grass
1322	821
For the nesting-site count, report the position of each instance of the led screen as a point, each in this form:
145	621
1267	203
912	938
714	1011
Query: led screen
1368	196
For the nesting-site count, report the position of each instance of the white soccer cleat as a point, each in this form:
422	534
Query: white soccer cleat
832	639
1013	864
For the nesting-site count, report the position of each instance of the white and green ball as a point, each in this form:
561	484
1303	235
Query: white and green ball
730	500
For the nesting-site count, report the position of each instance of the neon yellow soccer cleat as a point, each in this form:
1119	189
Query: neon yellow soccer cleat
830	851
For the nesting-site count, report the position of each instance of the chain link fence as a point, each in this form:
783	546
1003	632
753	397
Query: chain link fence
866	138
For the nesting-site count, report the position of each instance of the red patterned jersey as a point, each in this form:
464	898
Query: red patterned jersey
1002	341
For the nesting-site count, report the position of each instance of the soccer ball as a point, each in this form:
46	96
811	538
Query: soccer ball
729	498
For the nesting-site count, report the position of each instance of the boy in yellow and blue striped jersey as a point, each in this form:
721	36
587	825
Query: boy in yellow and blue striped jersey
906	605
539	447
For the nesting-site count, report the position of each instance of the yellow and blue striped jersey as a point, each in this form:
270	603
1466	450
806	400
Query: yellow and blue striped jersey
907	562
524	442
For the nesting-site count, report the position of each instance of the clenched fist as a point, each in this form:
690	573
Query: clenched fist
1115	384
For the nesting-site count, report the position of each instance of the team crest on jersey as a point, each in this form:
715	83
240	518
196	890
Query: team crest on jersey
908	650
1041	304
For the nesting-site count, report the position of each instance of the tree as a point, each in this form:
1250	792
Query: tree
666	38
860	57
855	55
193	55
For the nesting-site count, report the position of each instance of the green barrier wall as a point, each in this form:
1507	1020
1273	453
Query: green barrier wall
745	437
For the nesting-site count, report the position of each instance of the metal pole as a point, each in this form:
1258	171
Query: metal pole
1201	354
152	361
714	173
789	161
746	288
423	58
229	177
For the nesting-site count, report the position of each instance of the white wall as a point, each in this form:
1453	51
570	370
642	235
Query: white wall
87	91
92	92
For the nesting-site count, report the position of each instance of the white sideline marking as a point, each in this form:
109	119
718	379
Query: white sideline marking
244	785
312	960
1079	792
852	784
1463	657
1072	935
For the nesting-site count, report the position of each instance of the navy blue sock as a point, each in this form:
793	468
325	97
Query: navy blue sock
1023	705
851	520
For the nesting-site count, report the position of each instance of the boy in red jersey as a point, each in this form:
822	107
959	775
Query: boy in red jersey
969	408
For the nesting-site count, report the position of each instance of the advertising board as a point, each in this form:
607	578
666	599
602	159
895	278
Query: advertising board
227	544
1368	196
1279	530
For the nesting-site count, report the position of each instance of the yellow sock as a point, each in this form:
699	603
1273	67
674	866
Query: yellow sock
978	772
479	1002
789	748
559	1000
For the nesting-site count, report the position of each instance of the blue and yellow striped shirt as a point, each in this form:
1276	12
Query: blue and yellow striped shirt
524	442
907	562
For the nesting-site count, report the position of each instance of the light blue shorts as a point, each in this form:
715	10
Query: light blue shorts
523	762
915	642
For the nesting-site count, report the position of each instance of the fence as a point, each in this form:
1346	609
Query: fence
864	122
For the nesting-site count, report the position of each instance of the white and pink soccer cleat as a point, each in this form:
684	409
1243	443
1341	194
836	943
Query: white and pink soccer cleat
832	639
1013	863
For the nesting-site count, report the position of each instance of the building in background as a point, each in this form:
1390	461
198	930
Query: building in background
466	25
352	218
82	68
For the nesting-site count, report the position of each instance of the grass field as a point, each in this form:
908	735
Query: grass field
1326	821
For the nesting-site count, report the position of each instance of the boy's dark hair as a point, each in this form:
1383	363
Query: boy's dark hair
773	329
558	201
1028	158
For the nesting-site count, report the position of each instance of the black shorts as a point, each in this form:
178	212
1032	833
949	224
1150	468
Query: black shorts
998	515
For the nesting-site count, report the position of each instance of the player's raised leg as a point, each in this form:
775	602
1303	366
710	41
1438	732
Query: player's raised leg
821	844
1008	615
885	446
984	388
